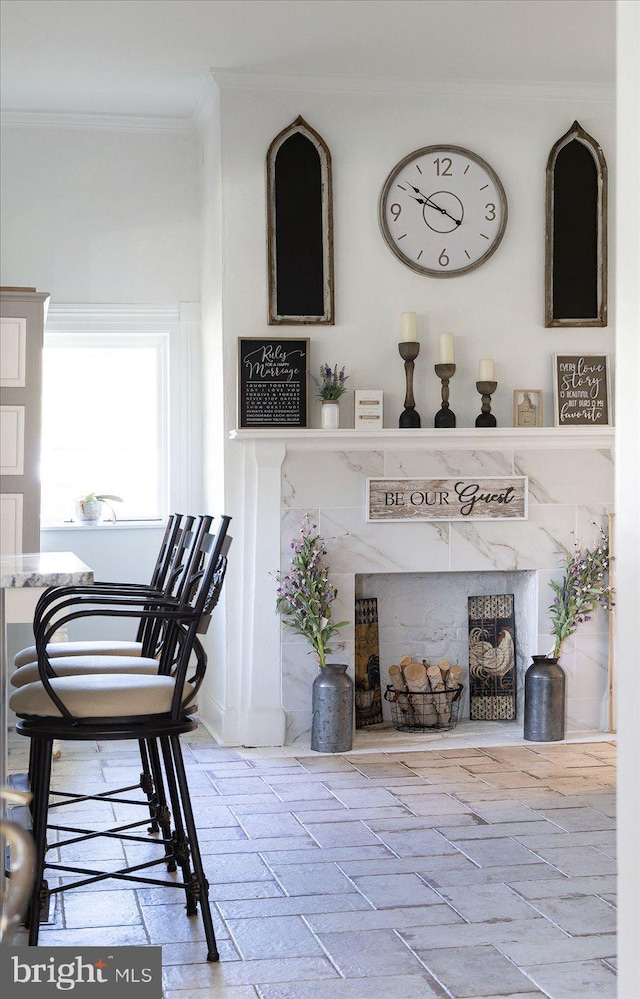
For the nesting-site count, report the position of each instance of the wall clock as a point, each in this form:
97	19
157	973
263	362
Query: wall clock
443	211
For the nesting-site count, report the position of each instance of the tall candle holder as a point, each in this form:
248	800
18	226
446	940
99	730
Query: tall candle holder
445	417
409	418
486	418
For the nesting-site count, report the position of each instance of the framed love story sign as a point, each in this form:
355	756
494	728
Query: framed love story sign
582	390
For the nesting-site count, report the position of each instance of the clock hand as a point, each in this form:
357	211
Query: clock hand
424	200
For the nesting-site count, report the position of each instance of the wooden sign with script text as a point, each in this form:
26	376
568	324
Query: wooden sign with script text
581	389
479	498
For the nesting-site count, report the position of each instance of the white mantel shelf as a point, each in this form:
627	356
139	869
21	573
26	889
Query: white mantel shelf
463	438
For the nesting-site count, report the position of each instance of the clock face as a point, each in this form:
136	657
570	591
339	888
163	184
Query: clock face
443	210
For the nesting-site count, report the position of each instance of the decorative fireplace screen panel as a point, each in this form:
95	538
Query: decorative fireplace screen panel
492	658
368	695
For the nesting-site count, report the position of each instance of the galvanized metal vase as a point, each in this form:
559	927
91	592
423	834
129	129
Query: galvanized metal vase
544	700
332	704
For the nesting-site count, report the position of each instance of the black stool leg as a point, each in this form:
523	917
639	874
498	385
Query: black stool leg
180	840
40	775
162	810
205	907
148	786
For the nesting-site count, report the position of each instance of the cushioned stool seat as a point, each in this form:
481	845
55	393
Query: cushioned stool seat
96	648
75	665
121	695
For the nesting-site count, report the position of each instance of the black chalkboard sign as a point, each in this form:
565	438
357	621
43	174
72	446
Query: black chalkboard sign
273	382
300	227
576	232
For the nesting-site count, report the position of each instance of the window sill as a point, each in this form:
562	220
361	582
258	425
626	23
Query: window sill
109	525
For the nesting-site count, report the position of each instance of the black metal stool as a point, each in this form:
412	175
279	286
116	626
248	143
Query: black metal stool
151	709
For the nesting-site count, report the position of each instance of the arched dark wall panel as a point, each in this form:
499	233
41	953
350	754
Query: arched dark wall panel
300	227
576	232
298	183
575	226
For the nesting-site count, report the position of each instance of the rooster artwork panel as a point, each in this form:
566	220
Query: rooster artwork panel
368	696
492	658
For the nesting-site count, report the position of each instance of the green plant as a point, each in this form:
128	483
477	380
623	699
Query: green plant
330	385
90	498
305	594
100	498
584	587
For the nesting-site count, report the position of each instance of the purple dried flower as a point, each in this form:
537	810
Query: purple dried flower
581	590
305	595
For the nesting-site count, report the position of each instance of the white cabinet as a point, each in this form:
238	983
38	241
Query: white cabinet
22	315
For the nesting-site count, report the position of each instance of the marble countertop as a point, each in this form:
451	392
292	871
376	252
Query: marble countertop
43	569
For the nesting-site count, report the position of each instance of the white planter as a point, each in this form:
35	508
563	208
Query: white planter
89	511
330	414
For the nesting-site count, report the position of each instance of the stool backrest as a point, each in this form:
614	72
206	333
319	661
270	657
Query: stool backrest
172	559
197	596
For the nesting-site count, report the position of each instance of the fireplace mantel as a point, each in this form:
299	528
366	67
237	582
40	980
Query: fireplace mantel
287	473
463	438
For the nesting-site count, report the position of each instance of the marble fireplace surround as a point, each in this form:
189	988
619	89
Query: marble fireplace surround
288	474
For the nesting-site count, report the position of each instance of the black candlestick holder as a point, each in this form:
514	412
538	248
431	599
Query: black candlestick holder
486	418
409	418
445	417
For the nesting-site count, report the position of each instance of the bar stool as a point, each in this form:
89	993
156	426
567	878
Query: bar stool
154	709
99	657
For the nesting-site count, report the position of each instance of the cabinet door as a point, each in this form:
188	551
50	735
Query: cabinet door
22	316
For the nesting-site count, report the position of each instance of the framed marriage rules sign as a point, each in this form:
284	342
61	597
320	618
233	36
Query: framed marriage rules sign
582	390
273	382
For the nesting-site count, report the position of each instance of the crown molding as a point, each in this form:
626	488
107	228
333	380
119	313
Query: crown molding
584	93
108	122
207	100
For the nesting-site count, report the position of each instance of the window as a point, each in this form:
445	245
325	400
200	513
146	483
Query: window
105	417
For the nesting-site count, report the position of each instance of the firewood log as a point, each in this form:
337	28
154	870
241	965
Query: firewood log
401	698
397	678
440	699
454	677
444	666
415	676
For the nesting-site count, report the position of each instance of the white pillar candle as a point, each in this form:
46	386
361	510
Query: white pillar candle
408	328
446	354
486	371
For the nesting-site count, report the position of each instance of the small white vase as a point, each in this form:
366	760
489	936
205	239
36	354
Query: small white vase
330	414
89	511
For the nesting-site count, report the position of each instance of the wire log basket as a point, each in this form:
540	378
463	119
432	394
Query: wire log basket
424	711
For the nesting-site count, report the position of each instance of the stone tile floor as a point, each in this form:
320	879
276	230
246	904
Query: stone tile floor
458	870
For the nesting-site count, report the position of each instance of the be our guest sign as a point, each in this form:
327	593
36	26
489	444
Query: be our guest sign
479	498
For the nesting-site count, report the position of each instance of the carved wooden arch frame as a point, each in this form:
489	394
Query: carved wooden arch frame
577	133
328	315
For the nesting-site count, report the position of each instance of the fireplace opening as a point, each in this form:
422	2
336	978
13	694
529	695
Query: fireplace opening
425	616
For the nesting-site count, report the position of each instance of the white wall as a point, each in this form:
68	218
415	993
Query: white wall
94	215
496	311
100	216
627	522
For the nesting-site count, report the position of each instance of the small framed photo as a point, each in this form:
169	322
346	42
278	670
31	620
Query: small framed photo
582	390
527	407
